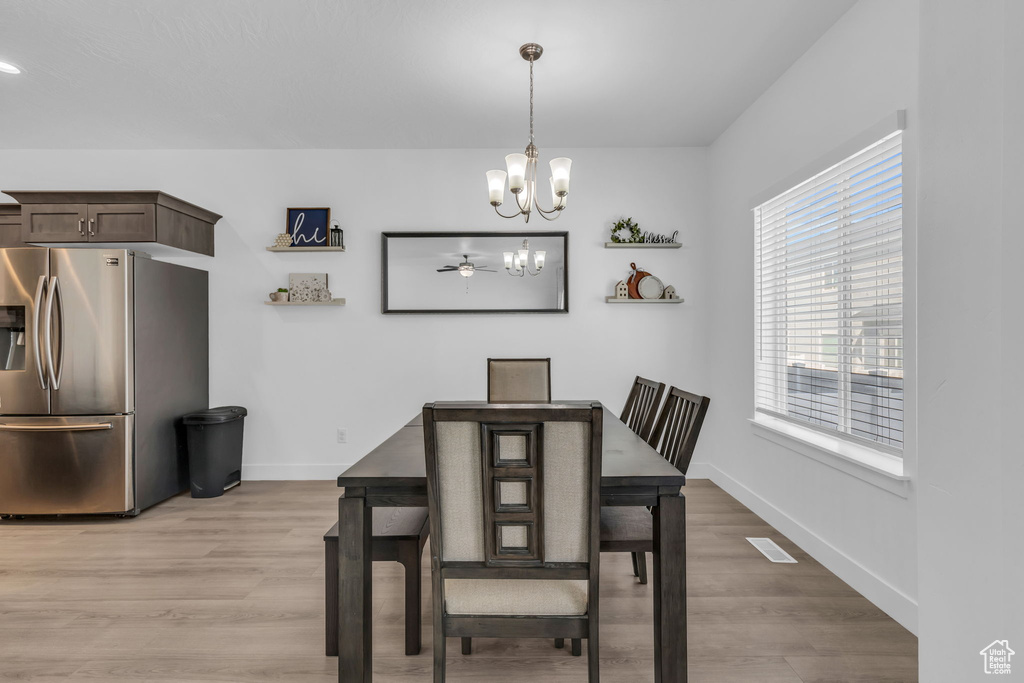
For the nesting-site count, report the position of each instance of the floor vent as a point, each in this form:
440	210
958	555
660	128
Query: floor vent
771	550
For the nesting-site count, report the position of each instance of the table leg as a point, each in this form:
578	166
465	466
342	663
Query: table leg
355	591
670	589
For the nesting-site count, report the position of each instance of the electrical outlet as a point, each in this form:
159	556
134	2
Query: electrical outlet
342	435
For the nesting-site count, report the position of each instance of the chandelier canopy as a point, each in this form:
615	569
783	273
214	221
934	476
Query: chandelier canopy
522	168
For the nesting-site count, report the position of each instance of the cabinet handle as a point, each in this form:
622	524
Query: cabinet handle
92	222
81	226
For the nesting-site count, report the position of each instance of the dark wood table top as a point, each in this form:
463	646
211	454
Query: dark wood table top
627	460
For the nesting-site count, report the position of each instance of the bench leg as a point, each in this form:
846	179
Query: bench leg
636	567
642	564
467	646
559	643
577	647
331	593
409	557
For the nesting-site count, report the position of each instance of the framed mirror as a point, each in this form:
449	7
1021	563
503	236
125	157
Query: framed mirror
475	272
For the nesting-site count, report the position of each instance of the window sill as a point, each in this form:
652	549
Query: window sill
874	467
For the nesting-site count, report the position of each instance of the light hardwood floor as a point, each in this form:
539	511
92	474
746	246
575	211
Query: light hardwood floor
231	589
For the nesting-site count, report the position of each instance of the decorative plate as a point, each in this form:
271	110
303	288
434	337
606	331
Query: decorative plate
650	287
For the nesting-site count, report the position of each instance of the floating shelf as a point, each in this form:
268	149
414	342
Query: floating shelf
283	249
332	302
616	300
642	245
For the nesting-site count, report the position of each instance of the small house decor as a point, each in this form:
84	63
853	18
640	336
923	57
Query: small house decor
670	293
621	290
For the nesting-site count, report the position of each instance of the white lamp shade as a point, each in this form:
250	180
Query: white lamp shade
559	202
524	256
516	263
496	186
560	175
516	164
538	259
508	260
466	271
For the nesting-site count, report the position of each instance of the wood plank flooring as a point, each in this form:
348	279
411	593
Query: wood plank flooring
231	589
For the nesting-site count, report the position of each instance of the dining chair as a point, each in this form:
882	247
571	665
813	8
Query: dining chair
518	380
631	529
642	406
513	494
399	535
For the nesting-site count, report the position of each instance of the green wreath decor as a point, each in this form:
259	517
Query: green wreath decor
624	226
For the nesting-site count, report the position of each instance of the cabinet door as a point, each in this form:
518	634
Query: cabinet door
122	223
54	222
10	226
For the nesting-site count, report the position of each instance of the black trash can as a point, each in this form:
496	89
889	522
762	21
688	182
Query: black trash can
215	449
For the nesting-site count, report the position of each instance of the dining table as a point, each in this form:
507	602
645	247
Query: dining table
394	475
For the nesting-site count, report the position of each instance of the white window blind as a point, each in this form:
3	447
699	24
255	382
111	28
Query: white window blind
829	299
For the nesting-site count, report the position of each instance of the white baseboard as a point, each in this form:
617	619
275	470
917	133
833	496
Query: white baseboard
886	597
298	471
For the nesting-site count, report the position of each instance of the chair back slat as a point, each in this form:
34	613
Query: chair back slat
518	380
641	407
513	486
678	427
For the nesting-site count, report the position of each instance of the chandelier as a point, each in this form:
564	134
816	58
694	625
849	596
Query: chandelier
518	263
522	168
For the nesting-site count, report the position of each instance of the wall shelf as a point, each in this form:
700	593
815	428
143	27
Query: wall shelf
332	302
616	300
641	245
307	249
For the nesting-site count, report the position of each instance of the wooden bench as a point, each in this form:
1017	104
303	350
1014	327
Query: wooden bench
399	535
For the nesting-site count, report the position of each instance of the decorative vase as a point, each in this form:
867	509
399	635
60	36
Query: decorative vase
279	296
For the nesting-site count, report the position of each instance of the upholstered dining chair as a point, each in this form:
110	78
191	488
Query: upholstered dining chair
642	406
513	495
518	380
631	529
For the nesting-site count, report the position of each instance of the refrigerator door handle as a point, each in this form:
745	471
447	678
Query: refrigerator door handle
40	293
60	319
55	366
56	428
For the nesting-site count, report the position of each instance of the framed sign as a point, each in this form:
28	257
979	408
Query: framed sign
309	227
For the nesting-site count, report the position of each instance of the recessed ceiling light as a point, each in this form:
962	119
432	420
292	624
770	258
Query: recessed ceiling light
9	68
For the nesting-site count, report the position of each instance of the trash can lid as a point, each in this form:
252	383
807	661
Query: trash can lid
215	415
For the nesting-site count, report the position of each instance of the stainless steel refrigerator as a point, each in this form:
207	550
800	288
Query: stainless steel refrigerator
101	352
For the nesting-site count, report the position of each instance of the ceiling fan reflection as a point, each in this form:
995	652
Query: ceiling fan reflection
465	269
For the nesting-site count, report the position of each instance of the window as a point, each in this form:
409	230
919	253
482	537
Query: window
829	299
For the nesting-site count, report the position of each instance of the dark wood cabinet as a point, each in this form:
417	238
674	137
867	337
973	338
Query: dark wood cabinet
10	225
55	217
46	223
122	223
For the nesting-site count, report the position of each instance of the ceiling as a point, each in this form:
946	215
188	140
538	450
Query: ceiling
390	73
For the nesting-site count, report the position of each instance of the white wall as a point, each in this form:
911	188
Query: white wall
303	372
862	69
971	511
